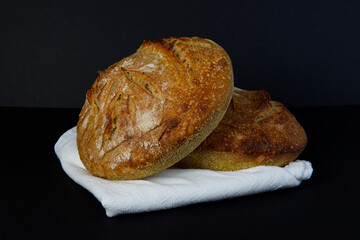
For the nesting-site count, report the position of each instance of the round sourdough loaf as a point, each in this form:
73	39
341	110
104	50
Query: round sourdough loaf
254	131
148	111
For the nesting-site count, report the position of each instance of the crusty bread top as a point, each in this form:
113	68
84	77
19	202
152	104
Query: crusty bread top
253	126
140	112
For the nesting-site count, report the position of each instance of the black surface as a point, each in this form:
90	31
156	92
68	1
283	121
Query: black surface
305	53
38	200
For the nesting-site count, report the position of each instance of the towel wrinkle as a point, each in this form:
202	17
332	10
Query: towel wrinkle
175	187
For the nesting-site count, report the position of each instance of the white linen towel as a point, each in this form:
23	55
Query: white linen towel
175	187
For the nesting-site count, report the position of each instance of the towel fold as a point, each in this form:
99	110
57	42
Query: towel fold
175	187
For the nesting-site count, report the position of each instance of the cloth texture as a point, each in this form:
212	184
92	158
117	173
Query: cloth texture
173	187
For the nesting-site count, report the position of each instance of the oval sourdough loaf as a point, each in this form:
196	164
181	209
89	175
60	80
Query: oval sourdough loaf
148	111
254	131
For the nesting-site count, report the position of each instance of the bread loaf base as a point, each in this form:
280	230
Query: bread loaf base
174	155
227	161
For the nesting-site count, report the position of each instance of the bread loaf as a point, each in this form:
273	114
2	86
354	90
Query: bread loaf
148	111
254	131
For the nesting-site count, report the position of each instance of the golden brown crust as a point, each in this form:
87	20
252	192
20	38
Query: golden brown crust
254	131
146	112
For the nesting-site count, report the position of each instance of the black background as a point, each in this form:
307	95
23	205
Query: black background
305	53
39	201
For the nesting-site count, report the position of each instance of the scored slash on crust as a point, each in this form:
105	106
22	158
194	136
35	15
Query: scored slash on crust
184	61
142	80
179	59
